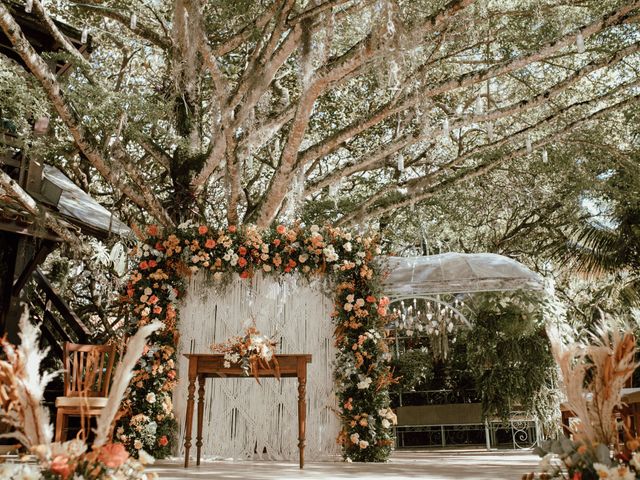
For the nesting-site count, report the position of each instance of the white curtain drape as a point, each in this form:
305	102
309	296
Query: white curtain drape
243	419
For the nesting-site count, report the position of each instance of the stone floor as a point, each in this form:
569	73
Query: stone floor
426	464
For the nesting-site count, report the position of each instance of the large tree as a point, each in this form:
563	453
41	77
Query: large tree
250	111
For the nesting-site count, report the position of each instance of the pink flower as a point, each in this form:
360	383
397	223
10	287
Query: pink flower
281	229
202	229
60	466
113	455
210	243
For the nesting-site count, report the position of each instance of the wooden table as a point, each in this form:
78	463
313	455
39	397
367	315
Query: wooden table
203	366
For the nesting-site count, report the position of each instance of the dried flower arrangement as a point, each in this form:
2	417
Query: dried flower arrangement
594	376
251	351
21	393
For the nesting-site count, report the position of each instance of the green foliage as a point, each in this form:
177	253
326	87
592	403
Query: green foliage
412	368
508	353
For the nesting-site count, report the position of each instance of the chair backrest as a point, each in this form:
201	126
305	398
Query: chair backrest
87	369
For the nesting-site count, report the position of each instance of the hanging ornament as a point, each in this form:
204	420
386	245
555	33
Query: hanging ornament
401	163
85	34
529	146
29	6
545	156
478	108
445	128
490	131
134	21
580	42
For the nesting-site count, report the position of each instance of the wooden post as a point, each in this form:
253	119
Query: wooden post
193	366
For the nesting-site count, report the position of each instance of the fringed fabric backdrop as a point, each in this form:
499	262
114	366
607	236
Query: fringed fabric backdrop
243	419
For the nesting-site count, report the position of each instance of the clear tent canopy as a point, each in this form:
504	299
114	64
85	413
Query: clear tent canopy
427	293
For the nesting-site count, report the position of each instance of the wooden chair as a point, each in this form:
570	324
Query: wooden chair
87	376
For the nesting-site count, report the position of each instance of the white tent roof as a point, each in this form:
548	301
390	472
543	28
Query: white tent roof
456	273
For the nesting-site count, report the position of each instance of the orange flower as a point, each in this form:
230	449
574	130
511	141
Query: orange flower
153	299
153	230
382	311
232	228
276	242
143	265
171	374
348	405
113	455
242	251
371	299
242	262
152	263
163	441
384	301
202	229
281	229
157	310
245	274
292	263
60	466
210	243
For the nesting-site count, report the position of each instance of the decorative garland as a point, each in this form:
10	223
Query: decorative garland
362	373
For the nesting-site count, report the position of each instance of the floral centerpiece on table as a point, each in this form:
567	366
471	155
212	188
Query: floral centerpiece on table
21	395
593	377
251	351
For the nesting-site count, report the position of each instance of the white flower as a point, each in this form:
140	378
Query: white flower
137	444
361	254
348	307
266	268
385	423
314	228
151	397
378	250
360	302
145	458
347	247
355	438
351	298
146	311
148	291
227	364
330	254
635	461
303	258
264	257
364	384
347	236
363	444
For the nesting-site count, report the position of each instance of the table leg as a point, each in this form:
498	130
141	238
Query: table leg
201	380
189	420
302	412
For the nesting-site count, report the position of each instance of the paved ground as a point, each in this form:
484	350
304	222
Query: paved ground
429	464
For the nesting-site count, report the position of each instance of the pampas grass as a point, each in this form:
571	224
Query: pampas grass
22	388
121	378
594	376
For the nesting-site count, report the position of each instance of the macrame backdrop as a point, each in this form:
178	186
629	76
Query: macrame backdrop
242	417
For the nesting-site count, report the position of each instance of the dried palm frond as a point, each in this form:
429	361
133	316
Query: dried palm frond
594	376
23	388
121	378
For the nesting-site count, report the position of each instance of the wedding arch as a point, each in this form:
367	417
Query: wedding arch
361	372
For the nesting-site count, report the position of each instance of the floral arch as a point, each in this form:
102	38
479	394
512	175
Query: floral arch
362	373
